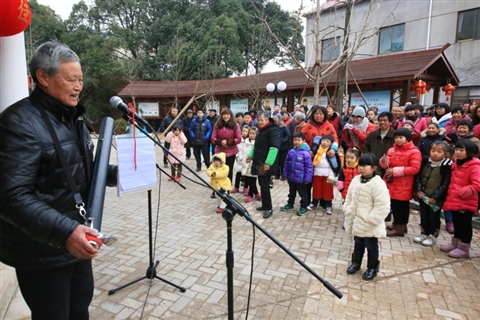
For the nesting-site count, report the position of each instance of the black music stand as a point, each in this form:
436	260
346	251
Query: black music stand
151	270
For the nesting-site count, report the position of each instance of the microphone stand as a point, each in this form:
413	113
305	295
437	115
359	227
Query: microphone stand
228	214
152	267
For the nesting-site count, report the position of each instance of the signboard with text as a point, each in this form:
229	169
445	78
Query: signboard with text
308	101
379	99
239	105
148	109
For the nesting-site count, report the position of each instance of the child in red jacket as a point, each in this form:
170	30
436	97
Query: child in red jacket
349	171
462	197
402	162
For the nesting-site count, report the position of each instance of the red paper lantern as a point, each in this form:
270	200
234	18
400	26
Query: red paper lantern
15	16
420	88
448	89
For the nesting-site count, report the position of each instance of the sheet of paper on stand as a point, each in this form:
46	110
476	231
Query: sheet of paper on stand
136	163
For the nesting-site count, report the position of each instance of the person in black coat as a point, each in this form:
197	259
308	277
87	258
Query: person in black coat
166	122
42	230
186	122
200	133
264	157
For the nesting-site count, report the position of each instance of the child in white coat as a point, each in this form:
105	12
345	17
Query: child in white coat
366	207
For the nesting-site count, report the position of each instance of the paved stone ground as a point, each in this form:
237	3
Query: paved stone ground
414	282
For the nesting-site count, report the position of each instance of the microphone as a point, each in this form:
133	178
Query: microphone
117	103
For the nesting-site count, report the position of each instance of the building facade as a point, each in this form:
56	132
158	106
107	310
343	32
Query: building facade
389	27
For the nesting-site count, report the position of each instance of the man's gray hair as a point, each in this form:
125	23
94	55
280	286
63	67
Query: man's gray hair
300	116
263	114
49	56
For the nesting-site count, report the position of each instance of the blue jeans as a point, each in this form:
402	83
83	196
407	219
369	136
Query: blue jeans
370	243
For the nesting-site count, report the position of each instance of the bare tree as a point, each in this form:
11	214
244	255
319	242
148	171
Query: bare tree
322	31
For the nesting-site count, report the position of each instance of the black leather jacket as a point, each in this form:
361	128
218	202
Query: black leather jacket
37	208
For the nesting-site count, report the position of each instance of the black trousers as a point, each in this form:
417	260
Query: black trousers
188	152
400	210
230	162
463	225
302	190
167	146
370	243
60	293
251	183
282	156
264	182
198	151
238	177
429	219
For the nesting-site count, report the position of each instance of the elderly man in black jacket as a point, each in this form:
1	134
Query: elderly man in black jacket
42	231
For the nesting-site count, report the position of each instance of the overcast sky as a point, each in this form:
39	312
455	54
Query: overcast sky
64	7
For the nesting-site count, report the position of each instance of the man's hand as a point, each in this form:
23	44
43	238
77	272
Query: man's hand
266	167
248	160
420	194
78	245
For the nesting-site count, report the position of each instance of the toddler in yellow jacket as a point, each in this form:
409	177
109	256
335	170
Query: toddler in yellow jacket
218	173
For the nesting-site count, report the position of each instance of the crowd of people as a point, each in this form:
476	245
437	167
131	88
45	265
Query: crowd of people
46	156
428	155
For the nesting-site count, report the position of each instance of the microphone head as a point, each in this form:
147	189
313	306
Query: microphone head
115	101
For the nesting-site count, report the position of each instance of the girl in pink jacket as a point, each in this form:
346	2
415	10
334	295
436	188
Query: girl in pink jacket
177	140
462	197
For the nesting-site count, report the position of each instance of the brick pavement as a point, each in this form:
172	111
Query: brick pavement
414	282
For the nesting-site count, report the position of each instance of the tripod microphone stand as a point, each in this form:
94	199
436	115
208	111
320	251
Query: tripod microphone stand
228	214
151	271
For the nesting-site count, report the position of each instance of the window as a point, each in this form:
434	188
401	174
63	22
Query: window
330	49
468	25
391	39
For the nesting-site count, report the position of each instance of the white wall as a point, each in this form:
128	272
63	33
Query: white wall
463	56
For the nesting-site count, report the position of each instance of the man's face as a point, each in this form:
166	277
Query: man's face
66	85
189	114
383	123
276	108
397	112
174	112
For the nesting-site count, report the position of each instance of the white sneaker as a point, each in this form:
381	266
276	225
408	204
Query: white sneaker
420	238
310	207
429	241
329	210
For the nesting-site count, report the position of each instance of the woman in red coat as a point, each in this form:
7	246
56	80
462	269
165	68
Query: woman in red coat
318	125
226	136
462	197
402	162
